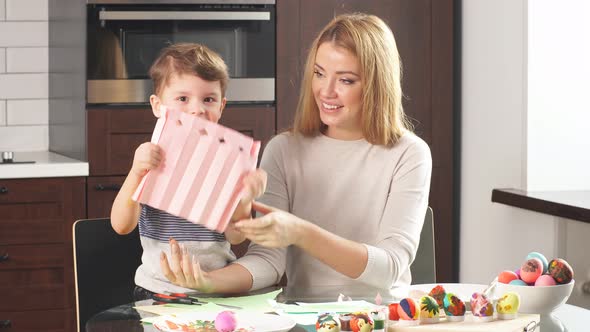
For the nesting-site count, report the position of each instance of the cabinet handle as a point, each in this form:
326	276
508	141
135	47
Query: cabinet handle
4	257
3	190
108	187
586	287
5	323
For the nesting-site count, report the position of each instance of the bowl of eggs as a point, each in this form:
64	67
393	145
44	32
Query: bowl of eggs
542	285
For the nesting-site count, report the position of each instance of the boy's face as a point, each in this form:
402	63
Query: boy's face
191	94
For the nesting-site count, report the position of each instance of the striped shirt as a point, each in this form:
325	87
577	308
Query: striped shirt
156	227
161	226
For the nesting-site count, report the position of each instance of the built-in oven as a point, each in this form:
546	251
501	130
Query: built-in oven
126	36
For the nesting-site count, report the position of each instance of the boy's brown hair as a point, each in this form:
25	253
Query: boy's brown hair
188	59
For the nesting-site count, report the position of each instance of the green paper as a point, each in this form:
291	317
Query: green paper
258	303
336	307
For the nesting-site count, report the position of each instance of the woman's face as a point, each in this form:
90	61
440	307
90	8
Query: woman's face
337	89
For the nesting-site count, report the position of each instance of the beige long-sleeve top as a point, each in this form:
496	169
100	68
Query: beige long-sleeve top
371	194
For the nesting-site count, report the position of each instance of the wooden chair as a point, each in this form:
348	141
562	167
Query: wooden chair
104	265
424	266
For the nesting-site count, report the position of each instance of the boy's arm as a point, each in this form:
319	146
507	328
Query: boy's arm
125	211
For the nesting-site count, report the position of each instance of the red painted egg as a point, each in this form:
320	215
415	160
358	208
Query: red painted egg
531	270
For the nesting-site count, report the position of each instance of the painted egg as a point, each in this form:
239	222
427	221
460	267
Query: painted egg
408	309
438	293
561	271
225	321
545	280
429	309
531	270
361	322
507	305
393	313
453	306
327	323
517	272
518	282
345	321
481	307
507	276
541	257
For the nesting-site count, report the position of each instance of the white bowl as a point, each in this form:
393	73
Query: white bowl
537	299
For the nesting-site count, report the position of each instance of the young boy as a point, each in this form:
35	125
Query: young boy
193	79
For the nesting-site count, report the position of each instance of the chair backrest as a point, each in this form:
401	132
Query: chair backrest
424	266
104	265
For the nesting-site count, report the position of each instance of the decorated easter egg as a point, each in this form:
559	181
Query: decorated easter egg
507	305
345	322
481	307
225	321
454	307
518	282
506	277
541	257
361	322
438	293
517	272
561	271
429	309
327	323
408	309
545	280
530	270
393	314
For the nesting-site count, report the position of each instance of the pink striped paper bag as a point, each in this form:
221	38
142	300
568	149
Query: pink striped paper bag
200	176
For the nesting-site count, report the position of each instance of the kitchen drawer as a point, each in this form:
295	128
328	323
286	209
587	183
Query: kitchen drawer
40	210
39	256
102	191
114	134
47	320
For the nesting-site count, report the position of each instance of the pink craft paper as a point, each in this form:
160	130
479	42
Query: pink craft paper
200	176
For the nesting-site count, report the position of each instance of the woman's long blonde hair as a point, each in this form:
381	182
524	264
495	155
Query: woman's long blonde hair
372	42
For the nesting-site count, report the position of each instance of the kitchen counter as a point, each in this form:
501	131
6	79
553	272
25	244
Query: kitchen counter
47	164
573	205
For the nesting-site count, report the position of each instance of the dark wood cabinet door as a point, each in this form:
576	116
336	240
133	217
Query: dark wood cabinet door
424	36
36	269
114	134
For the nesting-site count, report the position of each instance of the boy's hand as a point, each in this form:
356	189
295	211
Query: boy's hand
147	156
253	186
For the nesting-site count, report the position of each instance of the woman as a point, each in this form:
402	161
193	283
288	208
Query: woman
347	187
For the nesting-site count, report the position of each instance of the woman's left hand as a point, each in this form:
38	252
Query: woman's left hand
276	229
184	270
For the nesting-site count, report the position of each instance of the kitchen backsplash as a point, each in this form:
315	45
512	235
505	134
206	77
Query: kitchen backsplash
23	75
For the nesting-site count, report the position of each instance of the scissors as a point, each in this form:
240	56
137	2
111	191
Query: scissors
179	298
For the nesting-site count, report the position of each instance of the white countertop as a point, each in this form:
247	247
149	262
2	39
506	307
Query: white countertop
47	165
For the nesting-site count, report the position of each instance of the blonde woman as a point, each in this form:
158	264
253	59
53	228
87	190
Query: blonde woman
347	186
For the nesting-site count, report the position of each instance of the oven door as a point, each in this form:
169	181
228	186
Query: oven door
124	40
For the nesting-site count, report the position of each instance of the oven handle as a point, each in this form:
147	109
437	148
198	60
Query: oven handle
107	15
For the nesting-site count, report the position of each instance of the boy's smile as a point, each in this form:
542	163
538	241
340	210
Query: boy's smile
191	94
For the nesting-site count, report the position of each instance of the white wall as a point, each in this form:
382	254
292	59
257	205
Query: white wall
525	125
23	75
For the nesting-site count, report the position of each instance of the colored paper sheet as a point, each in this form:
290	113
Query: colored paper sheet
200	176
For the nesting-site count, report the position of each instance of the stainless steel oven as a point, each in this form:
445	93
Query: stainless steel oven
125	36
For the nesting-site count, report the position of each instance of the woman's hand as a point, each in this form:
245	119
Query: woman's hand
276	229
184	270
147	156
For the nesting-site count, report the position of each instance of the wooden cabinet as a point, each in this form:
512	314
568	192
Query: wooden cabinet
424	34
115	133
36	264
